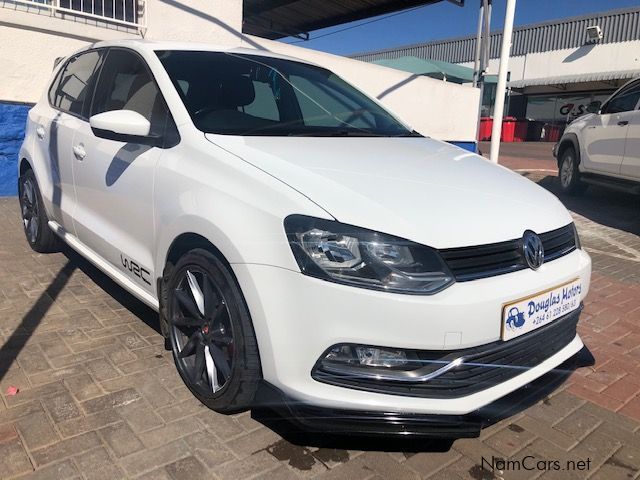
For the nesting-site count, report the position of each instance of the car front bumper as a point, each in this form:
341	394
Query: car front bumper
296	318
276	408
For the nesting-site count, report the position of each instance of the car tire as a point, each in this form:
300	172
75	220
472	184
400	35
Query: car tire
569	174
210	332
34	217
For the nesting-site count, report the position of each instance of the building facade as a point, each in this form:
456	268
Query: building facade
556	68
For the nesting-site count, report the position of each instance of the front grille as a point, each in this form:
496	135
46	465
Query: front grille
483	367
471	263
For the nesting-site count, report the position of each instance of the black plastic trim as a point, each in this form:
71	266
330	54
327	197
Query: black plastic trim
482	261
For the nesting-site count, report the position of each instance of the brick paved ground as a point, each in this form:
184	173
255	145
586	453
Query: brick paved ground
99	396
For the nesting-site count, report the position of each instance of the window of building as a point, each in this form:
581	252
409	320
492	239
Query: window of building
125	10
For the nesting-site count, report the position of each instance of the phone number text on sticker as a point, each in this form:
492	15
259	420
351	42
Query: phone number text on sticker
533	312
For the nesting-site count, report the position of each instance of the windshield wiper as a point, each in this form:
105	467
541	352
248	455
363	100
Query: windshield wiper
413	133
337	133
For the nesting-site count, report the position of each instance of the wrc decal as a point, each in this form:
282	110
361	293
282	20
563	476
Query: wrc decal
131	266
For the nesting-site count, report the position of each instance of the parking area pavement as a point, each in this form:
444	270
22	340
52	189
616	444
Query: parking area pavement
98	396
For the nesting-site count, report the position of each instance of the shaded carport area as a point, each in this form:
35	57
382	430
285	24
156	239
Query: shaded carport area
275	19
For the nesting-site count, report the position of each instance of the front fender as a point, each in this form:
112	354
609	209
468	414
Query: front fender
240	209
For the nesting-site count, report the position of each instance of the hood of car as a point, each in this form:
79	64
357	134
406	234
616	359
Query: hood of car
420	189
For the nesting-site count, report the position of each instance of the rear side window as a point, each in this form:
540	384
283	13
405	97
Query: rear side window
126	84
625	101
72	87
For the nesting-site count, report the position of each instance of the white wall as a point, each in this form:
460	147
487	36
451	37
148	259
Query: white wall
212	21
586	59
31	42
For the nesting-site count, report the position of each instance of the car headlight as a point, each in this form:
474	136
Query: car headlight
364	258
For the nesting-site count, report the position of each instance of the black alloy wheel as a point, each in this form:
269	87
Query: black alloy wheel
30	208
34	217
210	333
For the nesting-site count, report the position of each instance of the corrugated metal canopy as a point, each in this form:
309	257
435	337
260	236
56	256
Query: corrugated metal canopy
281	18
577	78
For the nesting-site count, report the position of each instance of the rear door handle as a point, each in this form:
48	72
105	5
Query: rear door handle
622	123
40	131
79	152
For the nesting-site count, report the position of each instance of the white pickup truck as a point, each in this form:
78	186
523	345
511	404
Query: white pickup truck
603	147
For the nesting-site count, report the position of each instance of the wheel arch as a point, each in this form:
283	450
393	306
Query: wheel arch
569	140
188	241
177	247
24	165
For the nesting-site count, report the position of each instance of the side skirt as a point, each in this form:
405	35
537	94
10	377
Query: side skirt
105	266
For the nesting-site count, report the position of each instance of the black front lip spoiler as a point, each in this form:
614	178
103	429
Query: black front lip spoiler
330	421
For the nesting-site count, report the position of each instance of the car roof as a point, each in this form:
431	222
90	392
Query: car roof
154	45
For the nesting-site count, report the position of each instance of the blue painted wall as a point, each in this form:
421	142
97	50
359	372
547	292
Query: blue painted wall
471	146
13	118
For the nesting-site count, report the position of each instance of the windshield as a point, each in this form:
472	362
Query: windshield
232	94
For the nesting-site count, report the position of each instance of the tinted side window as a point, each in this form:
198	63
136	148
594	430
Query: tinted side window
73	87
126	84
624	101
54	87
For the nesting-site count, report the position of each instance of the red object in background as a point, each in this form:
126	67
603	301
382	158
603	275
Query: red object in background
551	133
508	129
484	133
521	131
11	391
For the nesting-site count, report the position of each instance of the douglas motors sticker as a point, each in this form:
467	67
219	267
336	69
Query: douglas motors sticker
528	314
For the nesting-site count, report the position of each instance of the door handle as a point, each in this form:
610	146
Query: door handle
40	132
79	152
622	123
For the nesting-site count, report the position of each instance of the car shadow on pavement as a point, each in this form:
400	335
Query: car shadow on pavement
16	342
119	294
605	206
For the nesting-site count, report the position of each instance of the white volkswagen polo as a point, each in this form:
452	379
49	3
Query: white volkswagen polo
298	239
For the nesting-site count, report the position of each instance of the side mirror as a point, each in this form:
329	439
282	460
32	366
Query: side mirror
122	126
594	107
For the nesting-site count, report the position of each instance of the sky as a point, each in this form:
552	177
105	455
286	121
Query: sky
445	20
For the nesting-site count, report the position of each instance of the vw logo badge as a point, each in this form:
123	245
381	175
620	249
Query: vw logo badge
532	250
